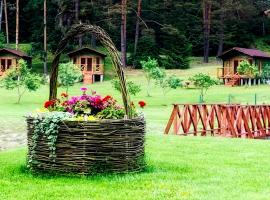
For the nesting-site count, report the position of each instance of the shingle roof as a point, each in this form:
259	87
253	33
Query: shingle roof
15	52
87	49
250	52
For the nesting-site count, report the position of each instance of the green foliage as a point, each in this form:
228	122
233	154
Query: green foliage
132	87
164	82
203	82
21	79
148	68
147	47
245	68
47	125
266	72
2	40
111	113
69	74
175	49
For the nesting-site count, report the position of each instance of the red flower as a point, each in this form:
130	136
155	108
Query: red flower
142	104
106	98
64	95
65	103
48	104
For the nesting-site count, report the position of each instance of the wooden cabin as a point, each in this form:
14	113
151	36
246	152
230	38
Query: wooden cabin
231	60
9	58
91	63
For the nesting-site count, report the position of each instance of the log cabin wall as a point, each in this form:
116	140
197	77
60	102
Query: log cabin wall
7	61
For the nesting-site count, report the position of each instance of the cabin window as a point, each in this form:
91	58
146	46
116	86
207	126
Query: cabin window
9	63
83	62
74	60
89	64
3	65
97	64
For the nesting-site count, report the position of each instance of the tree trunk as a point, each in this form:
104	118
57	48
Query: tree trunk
45	38
6	21
124	33
206	28
77	14
139	11
221	31
93	41
1	14
17	23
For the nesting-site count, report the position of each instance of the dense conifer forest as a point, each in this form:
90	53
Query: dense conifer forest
170	30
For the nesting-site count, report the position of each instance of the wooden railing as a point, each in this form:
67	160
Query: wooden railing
238	121
101	67
225	72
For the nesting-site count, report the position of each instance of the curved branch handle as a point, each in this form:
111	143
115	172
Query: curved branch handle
106	41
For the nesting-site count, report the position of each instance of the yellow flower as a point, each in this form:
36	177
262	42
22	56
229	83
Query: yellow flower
42	110
91	118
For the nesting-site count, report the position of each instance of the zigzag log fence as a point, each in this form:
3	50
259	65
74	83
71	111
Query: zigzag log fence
226	120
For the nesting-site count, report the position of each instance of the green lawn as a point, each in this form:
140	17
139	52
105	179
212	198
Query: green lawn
178	167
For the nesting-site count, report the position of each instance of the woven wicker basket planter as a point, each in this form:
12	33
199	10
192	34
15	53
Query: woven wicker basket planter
110	146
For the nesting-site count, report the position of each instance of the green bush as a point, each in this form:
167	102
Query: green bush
245	68
69	74
132	87
21	79
203	82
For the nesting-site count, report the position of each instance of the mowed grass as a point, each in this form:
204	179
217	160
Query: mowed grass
178	167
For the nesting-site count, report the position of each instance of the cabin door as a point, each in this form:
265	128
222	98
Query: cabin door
87	64
235	65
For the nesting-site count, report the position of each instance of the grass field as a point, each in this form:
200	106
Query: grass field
178	167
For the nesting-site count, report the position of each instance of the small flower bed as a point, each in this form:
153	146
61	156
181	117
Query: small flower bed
88	107
78	121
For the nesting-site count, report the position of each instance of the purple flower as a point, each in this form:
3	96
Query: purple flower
84	89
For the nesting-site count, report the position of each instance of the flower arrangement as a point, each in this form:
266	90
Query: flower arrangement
88	107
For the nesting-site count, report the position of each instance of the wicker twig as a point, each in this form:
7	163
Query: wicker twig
91	147
106	42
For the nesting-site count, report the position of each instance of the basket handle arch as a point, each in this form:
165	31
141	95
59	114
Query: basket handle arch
106	41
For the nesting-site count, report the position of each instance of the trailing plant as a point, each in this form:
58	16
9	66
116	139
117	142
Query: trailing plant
21	79
203	82
132	87
69	74
47	125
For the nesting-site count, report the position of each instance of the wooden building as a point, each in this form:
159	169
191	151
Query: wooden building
231	60
91	63
9	58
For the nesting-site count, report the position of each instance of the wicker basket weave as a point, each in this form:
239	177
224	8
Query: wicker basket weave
91	147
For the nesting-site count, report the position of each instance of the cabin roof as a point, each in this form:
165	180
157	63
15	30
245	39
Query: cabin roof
86	49
16	53
250	52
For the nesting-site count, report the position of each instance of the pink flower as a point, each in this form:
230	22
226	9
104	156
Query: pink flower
84	89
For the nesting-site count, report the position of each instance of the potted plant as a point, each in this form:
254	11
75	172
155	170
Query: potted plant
86	134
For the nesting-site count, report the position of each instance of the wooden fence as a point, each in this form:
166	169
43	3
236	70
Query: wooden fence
237	121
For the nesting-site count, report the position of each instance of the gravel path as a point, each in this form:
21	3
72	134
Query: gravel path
12	134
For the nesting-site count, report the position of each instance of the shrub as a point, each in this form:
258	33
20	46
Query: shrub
69	74
132	87
21	79
245	68
148	68
203	82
